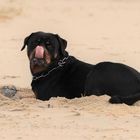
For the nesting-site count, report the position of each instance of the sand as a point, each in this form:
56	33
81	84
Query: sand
96	30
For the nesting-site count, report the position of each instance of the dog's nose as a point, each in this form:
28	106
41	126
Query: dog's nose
35	61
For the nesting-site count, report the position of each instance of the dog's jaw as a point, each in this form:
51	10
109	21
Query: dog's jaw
35	69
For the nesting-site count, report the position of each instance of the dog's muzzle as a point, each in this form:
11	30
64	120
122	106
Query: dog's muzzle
40	57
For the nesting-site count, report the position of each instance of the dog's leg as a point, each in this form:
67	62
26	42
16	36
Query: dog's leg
130	100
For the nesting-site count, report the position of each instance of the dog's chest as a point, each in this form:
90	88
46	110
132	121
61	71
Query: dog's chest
51	86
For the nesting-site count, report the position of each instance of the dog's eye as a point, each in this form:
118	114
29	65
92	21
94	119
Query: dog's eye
47	43
34	44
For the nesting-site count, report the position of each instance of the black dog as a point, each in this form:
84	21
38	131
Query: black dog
55	73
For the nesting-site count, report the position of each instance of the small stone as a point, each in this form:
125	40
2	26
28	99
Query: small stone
49	105
9	91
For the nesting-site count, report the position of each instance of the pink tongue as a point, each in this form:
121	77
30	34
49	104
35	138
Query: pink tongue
39	52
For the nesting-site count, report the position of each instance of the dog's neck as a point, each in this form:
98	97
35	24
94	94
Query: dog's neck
58	64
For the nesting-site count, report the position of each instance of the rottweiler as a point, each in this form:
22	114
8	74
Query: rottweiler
56	73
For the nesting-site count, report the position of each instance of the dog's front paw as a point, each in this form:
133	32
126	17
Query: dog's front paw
115	100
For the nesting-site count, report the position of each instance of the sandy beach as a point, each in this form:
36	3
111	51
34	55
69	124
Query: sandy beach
96	30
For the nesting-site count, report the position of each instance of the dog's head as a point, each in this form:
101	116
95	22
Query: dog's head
44	49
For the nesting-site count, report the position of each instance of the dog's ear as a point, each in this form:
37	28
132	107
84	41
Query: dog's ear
25	42
62	44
